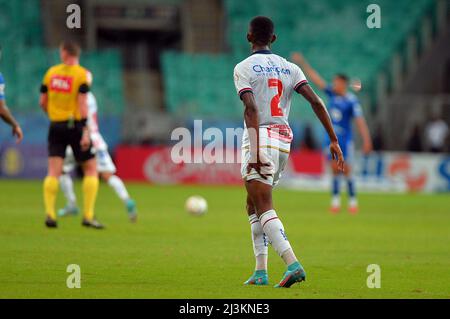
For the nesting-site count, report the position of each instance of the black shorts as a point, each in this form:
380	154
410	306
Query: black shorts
62	134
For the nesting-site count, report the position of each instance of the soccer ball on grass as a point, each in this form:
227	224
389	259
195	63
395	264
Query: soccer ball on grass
196	205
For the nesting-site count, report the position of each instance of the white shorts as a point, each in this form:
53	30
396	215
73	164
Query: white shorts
104	162
273	152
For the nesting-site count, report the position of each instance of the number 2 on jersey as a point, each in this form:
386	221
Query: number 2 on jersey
275	102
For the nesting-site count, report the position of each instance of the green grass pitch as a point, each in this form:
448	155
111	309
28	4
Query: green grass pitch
170	254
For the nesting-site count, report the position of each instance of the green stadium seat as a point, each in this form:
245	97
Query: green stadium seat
25	59
332	34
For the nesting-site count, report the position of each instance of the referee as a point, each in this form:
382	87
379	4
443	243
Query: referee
64	99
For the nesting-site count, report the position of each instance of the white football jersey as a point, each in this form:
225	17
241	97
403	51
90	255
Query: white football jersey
96	137
272	80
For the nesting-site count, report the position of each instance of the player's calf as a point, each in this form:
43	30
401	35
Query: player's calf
261	195
119	187
335	206
353	205
353	202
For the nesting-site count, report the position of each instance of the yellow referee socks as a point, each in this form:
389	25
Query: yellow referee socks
50	191
90	189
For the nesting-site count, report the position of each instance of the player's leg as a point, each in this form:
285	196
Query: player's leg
55	164
116	183
259	239
57	143
107	169
90	190
90	182
337	175
335	205
66	183
261	195
351	188
260	247
67	188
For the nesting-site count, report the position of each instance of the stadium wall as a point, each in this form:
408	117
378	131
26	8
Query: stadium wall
380	172
392	172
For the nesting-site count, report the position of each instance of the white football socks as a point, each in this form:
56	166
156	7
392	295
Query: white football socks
66	183
336	201
274	230
353	202
116	183
260	243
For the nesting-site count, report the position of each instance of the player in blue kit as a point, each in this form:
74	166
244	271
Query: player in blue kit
5	114
344	108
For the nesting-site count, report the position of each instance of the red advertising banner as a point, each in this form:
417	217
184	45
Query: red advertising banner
155	165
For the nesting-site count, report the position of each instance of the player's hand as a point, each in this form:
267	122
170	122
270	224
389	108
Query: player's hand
85	141
17	132
257	165
336	155
297	57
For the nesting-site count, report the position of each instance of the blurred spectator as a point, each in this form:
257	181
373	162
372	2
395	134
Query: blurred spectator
414	143
308	142
436	133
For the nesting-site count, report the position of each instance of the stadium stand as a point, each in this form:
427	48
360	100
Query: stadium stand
308	26
352	48
25	59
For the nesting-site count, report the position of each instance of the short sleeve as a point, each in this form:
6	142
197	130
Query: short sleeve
2	87
45	82
299	78
356	108
242	80
85	81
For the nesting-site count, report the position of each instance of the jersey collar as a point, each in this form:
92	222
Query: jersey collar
262	52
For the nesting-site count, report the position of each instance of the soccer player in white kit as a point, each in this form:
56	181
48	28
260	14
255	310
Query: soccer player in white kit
105	167
265	83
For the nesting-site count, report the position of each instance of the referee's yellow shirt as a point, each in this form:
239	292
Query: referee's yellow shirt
63	83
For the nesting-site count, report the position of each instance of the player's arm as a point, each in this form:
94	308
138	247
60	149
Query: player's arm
83	108
242	81
43	101
83	105
82	96
6	116
322	114
365	135
43	97
82	99
362	127
312	74
252	123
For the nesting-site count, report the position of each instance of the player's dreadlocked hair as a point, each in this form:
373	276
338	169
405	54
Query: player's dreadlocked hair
262	29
